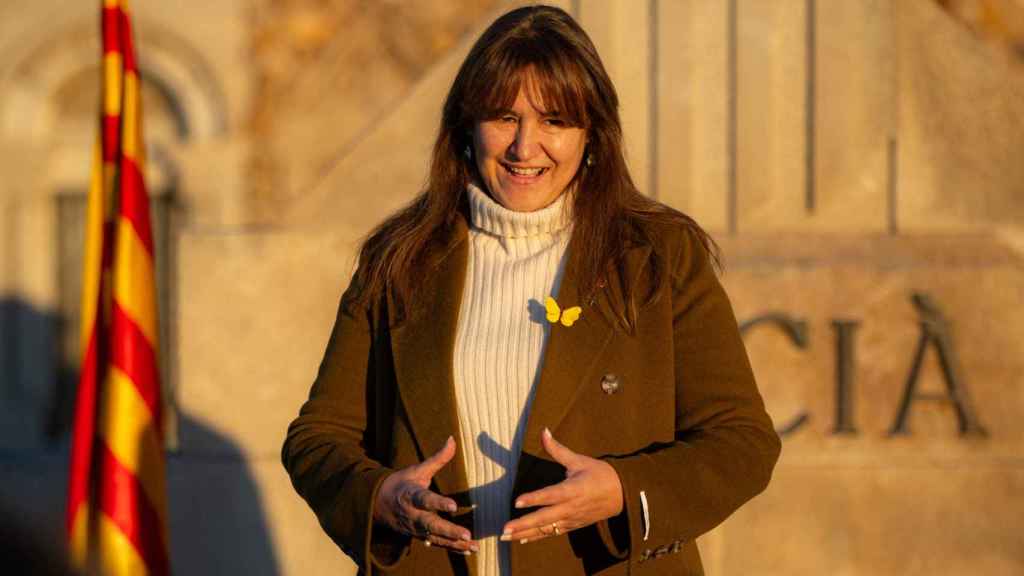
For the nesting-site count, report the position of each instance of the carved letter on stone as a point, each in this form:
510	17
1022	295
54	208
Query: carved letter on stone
797	332
935	331
845	362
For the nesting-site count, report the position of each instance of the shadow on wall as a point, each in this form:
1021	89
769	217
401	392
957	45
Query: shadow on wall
216	518
32	377
217	521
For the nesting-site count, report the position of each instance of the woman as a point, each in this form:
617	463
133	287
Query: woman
535	369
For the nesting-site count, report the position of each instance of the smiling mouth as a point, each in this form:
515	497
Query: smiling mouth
523	172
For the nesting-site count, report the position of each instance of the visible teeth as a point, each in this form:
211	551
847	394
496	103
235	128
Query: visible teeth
525	171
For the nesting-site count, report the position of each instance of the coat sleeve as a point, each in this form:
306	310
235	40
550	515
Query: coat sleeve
327	451
725	446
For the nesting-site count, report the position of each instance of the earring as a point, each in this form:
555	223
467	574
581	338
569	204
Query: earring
590	158
468	152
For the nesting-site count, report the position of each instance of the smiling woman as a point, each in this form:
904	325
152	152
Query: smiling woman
527	155
457	424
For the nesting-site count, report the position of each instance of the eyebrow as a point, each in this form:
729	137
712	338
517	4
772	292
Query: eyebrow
547	114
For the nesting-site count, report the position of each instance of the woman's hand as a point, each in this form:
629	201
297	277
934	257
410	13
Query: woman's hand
406	504
591	492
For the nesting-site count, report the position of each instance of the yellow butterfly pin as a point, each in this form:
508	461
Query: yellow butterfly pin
568	317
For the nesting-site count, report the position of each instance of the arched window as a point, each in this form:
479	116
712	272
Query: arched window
49	92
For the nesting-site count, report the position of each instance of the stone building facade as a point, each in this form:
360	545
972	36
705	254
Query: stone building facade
858	160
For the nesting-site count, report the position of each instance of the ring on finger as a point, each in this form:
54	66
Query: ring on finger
554	526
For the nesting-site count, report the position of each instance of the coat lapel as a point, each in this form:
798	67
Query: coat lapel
573	352
424	343
422	347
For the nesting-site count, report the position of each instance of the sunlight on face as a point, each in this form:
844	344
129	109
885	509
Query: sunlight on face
527	155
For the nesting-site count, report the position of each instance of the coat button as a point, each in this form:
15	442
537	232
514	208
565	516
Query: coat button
610	383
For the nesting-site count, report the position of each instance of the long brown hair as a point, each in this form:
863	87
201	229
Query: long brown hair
544	47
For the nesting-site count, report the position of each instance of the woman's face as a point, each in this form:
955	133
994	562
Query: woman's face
527	156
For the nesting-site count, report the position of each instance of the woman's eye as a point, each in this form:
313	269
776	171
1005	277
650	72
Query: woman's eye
555	122
509	119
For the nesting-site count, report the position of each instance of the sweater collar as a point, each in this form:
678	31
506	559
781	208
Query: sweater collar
493	218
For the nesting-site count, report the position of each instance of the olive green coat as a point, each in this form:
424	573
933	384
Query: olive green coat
686	425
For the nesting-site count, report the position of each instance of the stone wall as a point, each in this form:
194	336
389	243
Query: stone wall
857	161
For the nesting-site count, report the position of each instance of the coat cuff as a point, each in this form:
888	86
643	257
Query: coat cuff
644	542
384	548
630	522
371	547
649	537
614	531
614	534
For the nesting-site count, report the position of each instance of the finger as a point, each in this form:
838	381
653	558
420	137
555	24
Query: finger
535	520
438	460
425	499
437	526
547	496
532	535
539	533
560	453
465	547
422	528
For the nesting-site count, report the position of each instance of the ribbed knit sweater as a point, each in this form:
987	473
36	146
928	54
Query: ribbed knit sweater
516	259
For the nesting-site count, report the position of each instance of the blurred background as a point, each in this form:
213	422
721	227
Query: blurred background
859	161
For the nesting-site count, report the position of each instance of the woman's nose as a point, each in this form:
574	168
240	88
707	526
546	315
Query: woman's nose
525	145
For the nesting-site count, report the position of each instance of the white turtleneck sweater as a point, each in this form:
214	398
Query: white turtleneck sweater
516	259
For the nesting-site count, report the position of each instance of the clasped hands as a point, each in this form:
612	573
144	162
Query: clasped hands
591	492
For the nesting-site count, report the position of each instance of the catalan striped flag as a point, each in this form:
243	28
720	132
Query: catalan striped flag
117	506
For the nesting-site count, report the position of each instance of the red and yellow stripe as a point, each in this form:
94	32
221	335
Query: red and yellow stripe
117	507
